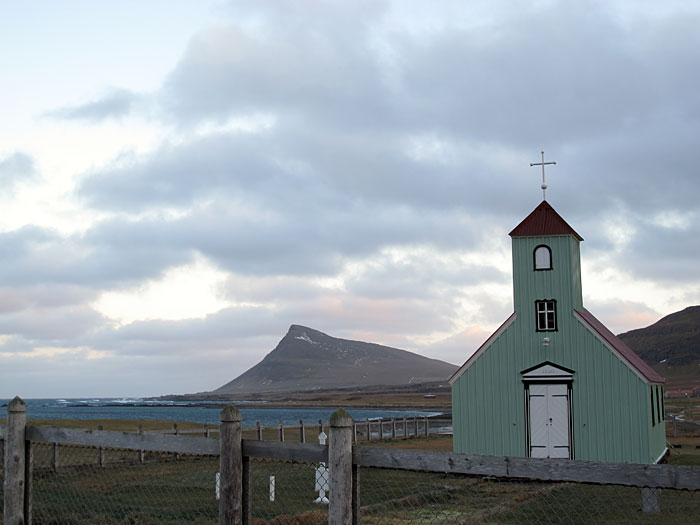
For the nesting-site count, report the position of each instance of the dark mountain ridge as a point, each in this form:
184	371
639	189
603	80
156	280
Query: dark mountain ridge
671	346
306	359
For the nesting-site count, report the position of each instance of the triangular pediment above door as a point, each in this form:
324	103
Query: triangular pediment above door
547	371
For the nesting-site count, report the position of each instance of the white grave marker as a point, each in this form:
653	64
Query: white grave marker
322	475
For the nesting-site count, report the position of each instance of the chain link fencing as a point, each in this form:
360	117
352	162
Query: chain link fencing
2	478
88	485
397	496
284	492
287	492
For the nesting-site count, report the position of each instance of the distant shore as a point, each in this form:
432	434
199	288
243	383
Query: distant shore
444	411
427	396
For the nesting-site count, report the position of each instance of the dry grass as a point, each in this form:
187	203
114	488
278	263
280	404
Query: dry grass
432	443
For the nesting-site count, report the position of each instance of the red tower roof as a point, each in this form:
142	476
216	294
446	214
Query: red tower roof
543	221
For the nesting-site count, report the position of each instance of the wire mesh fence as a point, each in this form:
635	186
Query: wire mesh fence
89	485
81	484
2	478
390	497
286	492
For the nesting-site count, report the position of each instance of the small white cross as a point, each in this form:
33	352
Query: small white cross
544	184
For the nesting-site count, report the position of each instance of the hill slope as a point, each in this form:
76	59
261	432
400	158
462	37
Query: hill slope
306	359
671	346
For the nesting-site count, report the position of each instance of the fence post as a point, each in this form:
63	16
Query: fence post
393	428
28	481
426	427
340	465
54	457
302	438
231	467
405	428
381	428
176	432
355	494
247	496
320	426
281	432
100	452
369	431
675	430
15	451
415	427
141	454
258	430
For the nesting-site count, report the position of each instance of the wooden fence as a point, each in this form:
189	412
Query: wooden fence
343	459
367	430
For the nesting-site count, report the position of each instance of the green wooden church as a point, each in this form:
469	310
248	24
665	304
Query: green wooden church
553	381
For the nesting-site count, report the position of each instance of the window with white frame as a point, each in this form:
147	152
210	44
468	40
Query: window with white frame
546	312
543	257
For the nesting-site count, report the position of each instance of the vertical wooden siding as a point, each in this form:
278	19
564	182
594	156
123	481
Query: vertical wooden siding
611	413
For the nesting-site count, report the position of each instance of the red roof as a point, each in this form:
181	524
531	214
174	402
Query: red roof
543	221
626	352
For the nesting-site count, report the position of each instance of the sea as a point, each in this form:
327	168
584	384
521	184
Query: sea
192	411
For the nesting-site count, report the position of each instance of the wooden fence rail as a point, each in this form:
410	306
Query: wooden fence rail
124	440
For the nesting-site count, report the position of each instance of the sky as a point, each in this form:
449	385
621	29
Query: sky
181	181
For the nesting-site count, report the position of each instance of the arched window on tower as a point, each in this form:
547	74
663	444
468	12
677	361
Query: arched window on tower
543	257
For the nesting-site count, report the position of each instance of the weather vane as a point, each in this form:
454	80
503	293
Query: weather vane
544	184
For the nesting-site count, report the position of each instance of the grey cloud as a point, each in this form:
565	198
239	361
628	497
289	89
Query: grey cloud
417	142
316	242
44	295
420	277
57	325
663	254
14	169
175	176
321	65
621	313
599	97
224	331
45	256
115	104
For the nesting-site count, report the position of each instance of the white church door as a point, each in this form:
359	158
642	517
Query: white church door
548	410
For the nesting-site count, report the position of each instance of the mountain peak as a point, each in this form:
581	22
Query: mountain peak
307	359
297	329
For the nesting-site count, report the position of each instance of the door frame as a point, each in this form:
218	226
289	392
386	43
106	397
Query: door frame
548	373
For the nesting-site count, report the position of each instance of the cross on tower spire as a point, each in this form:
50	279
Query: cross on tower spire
544	184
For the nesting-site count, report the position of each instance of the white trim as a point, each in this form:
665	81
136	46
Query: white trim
482	349
661	456
547	379
612	349
547	372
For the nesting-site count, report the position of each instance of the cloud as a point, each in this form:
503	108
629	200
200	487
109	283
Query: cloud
104	256
320	67
64	324
620	314
114	104
16	169
357	171
664	253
